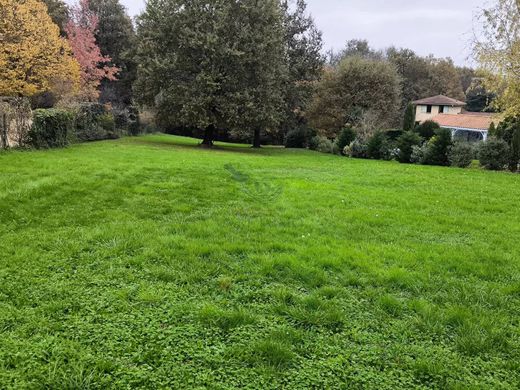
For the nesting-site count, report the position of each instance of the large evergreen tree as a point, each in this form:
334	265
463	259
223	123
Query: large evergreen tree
263	68
115	37
187	63
212	65
305	62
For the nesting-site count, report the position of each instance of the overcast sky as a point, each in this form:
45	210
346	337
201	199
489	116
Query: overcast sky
439	27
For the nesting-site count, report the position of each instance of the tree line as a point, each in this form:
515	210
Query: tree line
240	69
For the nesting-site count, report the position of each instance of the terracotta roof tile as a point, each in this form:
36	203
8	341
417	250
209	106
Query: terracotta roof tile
466	121
440	100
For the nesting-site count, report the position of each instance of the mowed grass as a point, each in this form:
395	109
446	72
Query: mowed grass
150	263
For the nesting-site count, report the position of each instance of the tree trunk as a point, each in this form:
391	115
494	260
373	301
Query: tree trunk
3	133
256	139
209	135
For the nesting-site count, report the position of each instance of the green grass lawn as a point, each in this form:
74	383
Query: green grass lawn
150	263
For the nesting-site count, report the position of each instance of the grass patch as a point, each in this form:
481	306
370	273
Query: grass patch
151	263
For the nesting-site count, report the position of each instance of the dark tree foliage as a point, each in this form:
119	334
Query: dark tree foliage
350	91
262	70
116	39
478	99
437	151
59	13
185	53
355	48
425	76
427	129
303	43
345	138
409	117
494	154
213	65
378	147
405	144
296	138
509	131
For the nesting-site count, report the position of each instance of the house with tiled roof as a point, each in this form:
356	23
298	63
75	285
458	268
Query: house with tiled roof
449	113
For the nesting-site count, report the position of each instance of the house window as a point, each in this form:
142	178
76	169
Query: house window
423	109
446	110
429	109
441	109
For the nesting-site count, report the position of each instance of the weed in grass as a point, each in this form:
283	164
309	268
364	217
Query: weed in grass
314	312
225	319
272	353
225	283
390	304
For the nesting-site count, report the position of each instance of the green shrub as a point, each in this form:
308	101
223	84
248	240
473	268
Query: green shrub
461	154
509	131
94	122
427	129
321	144
108	124
127	120
418	152
405	144
356	149
436	152
296	138
494	154
378	147
393	134
345	138
51	128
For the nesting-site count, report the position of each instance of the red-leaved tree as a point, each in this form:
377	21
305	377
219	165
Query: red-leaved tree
95	67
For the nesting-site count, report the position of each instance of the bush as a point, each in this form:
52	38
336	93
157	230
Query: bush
494	154
427	129
94	122
509	131
52	128
393	135
296	138
461	155
405	144
356	149
345	138
437	149
378	147
418	152
321	144
127	119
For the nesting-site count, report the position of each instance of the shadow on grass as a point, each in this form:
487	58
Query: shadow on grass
169	141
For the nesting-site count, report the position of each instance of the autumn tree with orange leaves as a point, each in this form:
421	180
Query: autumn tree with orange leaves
33	56
81	30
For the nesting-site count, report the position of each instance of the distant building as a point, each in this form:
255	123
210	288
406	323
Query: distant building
449	113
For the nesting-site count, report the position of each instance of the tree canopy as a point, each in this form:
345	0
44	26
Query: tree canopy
33	56
94	66
115	37
59	13
357	91
497	49
212	65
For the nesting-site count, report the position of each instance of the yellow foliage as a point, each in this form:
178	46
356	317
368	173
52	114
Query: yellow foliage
33	56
